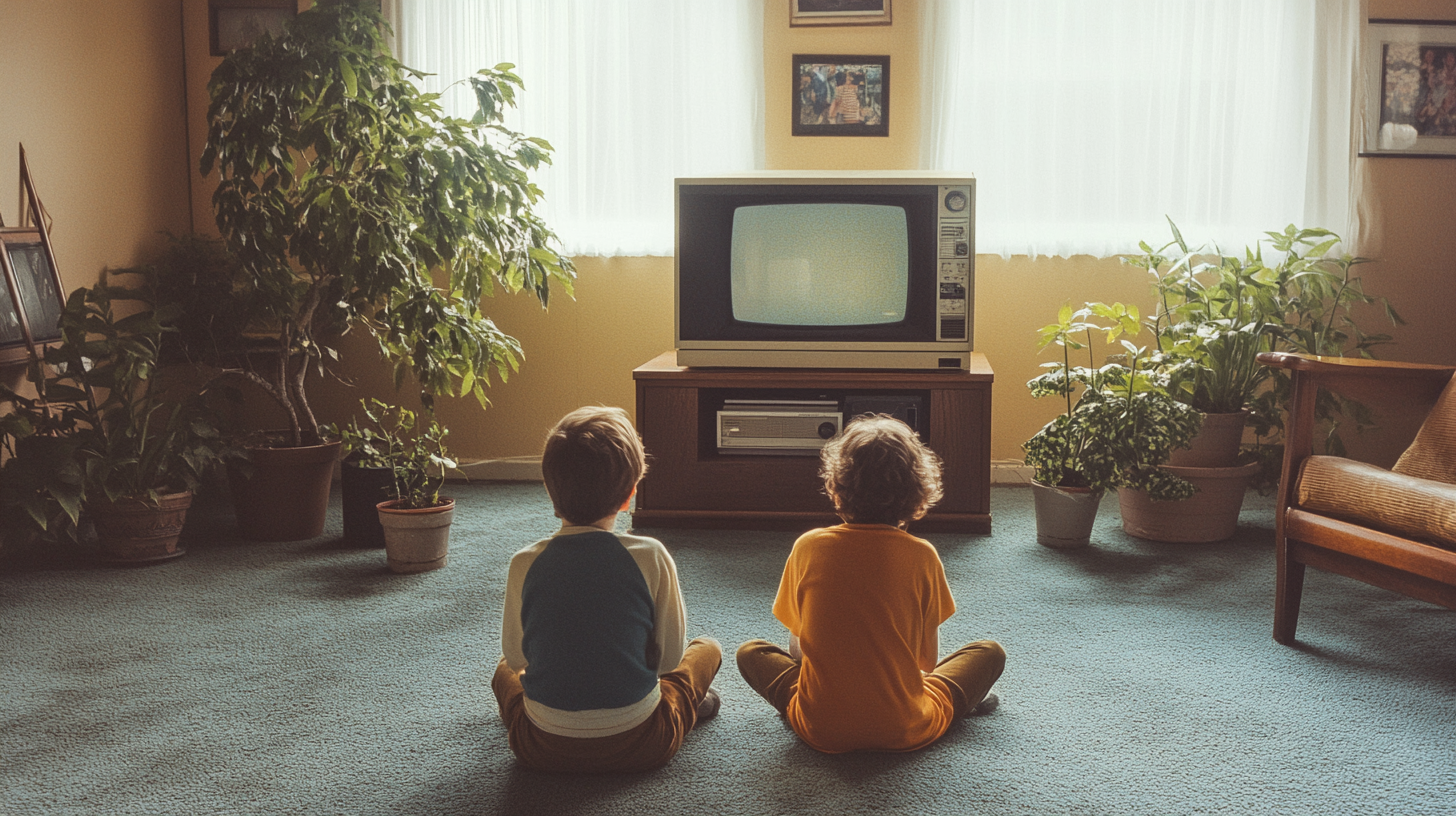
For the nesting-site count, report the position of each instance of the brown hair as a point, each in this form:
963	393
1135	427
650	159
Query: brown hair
877	471
591	463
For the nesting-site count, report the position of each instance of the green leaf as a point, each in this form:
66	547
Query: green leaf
351	82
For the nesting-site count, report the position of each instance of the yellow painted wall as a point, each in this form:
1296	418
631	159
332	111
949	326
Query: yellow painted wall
94	91
1013	297
584	351
1412	203
100	85
899	41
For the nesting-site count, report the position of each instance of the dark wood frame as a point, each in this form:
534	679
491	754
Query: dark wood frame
1378	36
801	62
689	483
1304	538
29	346
798	16
282	9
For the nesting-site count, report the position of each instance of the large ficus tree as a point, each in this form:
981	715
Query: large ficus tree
351	199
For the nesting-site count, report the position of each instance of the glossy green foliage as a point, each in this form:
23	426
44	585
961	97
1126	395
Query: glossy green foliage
352	200
411	445
104	424
1217	312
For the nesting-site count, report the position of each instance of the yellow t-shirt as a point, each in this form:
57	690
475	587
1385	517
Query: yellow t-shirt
862	599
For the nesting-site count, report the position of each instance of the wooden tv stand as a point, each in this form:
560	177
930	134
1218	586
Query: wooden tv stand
690	483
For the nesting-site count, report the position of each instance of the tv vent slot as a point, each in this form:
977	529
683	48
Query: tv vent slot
955	239
953	328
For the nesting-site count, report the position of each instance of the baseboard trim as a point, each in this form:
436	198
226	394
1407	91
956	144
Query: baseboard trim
528	469
509	469
1010	472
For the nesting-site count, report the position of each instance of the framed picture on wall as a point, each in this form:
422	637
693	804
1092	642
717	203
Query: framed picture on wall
841	95
234	24
839	12
1409	81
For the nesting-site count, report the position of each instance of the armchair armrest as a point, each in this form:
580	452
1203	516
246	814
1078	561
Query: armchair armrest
1411	386
1365	380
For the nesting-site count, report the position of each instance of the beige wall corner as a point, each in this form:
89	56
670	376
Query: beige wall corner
94	91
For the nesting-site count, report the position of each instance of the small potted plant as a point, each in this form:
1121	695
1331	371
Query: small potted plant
416	519
105	435
1114	433
365	479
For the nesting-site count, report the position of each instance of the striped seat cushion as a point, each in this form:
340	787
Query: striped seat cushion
1422	509
1433	453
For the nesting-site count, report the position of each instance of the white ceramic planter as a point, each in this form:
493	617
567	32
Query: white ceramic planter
1212	514
1064	516
416	540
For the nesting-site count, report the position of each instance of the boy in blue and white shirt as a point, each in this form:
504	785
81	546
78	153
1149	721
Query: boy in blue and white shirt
594	676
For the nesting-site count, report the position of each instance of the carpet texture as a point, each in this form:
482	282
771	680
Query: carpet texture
304	678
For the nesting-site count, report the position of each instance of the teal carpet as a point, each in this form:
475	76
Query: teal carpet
304	678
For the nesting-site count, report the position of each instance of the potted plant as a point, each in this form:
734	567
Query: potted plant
416	519
352	201
1113	434
1210	323
105	435
1215	314
366	478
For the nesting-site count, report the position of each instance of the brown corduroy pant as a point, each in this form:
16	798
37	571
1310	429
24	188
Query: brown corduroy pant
968	672
646	746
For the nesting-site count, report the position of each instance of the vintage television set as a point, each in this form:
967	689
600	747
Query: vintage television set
865	270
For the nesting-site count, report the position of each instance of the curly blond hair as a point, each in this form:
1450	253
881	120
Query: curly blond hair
877	471
592	462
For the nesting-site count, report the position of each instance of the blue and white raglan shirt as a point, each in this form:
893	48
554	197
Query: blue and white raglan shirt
594	618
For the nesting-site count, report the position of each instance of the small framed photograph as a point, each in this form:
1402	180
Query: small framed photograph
234	24
30	294
841	95
1409	79
839	12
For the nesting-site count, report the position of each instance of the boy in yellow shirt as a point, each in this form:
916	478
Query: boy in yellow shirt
863	602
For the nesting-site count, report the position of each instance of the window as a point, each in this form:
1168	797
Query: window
1087	121
630	93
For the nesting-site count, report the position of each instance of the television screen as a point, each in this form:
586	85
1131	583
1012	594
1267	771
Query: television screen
820	264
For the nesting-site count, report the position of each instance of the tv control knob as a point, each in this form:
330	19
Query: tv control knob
826	430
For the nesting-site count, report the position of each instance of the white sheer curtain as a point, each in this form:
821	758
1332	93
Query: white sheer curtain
630	93
1087	121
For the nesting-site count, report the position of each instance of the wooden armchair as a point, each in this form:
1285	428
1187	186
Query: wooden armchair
1390	528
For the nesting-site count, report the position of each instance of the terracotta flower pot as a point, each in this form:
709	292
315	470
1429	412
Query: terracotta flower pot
1211	514
416	540
286	498
134	531
1216	445
1064	515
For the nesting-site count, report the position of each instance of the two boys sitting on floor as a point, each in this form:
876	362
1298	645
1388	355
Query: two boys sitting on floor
595	677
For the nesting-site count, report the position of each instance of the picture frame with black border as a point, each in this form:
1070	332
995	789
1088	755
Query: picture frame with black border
234	24
839	12
30	294
841	95
1408	75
